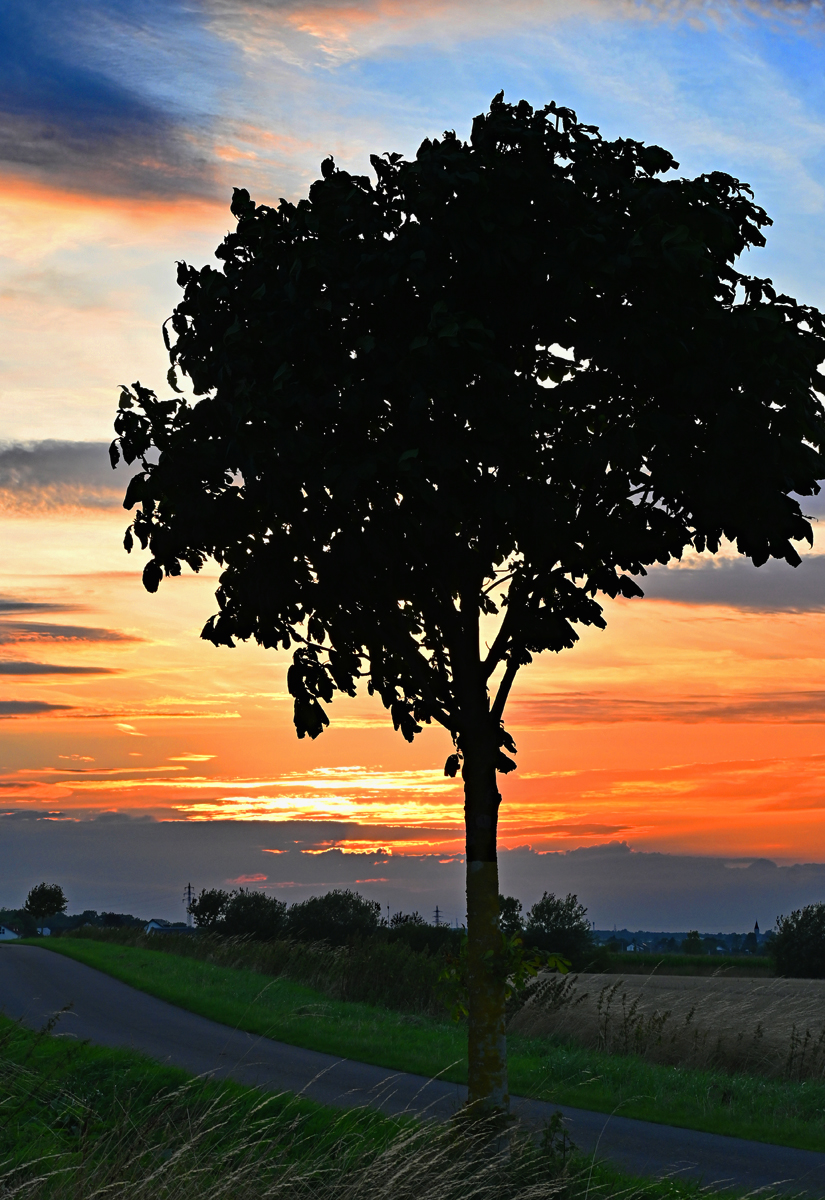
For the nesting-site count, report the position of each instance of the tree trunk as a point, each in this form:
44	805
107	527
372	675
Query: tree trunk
488	1092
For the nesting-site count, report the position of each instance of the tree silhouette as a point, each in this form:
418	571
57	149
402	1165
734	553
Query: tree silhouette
499	380
45	900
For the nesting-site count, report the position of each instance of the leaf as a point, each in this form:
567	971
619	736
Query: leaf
452	766
152	575
172	380
504	764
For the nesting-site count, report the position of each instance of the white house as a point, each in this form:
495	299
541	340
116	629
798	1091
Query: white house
6	935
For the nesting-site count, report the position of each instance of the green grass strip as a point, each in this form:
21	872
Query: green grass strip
774	1111
93	1117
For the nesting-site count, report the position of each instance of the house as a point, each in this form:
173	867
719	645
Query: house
6	934
158	925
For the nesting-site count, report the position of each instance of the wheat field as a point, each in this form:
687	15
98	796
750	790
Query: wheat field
773	1027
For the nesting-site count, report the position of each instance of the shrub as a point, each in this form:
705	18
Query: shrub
336	918
510	919
254	914
209	908
799	946
558	926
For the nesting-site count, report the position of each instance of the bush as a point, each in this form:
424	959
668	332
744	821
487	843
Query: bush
379	971
798	950
336	918
510	919
557	926
255	914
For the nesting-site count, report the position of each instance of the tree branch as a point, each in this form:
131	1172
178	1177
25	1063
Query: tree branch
497	710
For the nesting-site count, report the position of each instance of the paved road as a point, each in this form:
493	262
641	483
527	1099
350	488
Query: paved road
36	983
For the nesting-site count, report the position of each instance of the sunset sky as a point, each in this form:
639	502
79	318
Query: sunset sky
694	725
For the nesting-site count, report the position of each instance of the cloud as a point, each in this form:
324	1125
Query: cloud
77	100
48	475
11	605
23	708
100	868
12	632
602	708
736	583
35	668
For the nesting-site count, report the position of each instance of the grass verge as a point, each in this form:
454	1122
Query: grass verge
775	1111
79	1121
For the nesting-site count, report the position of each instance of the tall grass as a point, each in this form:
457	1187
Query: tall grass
773	1027
389	974
84	1123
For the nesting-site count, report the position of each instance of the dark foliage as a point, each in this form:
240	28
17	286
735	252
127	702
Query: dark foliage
255	914
209	908
798	950
337	917
692	944
45	900
425	939
386	424
557	926
510	919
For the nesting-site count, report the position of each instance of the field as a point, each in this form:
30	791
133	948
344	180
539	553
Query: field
78	1121
783	1111
771	1027
736	966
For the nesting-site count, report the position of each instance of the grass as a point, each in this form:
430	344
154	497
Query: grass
771	1027
79	1121
776	1111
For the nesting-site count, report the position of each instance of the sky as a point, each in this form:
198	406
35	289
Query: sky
691	727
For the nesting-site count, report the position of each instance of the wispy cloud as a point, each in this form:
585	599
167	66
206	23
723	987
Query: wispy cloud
48	475
28	708
78	101
35	668
806	706
736	583
12	632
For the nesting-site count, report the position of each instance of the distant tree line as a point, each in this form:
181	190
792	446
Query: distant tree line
553	925
338	917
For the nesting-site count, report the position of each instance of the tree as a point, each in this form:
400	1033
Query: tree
498	381
798	948
209	908
336	918
510	919
559	926
45	900
692	944
253	913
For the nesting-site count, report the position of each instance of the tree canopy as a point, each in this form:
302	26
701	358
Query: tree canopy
525	357
45	900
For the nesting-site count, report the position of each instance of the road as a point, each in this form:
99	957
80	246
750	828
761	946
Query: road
36	983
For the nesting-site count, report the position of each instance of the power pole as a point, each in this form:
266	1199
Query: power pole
187	900
437	916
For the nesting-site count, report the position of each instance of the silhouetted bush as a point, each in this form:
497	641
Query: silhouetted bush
510	919
337	918
557	926
209	908
254	914
798	950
